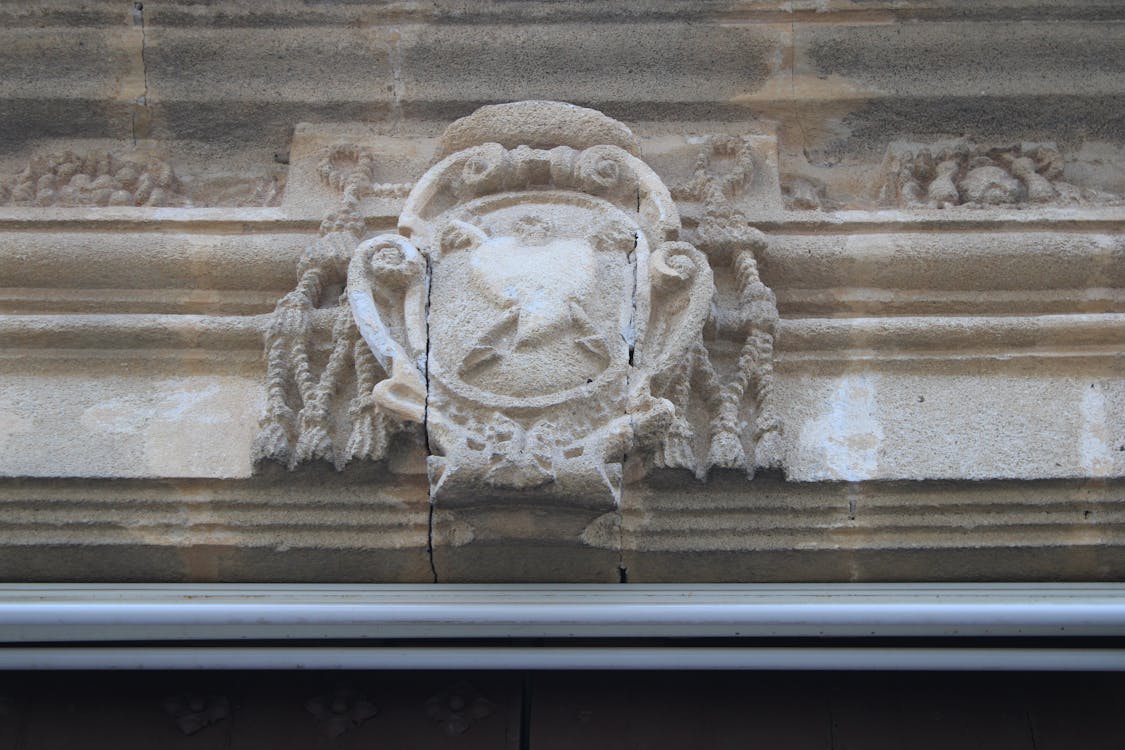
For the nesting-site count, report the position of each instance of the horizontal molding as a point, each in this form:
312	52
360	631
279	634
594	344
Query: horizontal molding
1097	335
952	337
187	14
666	516
222	220
865	301
138	332
836	302
228	220
368	509
176	301
135	261
949	272
364	524
827	268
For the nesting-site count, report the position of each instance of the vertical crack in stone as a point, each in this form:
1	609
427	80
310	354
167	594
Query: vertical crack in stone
142	100
621	569
796	108
633	316
631	344
426	424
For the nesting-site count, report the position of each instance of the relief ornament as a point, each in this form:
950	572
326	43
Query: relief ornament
534	309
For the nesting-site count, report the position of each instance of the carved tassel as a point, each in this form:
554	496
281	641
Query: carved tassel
368	439
315	441
293	433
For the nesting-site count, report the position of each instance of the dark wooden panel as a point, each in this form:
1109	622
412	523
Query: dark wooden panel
924	712
1080	711
587	710
686	710
282	710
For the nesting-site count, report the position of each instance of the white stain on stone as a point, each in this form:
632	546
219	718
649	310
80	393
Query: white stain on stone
1094	451
178	400
848	436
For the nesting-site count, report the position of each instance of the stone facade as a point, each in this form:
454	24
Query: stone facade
657	292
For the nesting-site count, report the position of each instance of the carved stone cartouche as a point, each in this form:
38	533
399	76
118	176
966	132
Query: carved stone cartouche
532	311
536	321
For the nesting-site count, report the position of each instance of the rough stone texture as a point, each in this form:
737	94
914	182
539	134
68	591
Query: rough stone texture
872	531
541	124
911	213
309	525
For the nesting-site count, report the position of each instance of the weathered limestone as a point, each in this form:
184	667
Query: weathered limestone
826	293
278	526
872	531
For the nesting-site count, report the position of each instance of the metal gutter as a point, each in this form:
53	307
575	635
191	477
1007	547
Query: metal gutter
108	626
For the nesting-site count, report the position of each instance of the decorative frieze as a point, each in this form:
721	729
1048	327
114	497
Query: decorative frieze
966	174
97	178
101	178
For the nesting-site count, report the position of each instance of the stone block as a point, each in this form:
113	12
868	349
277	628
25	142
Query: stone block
311	525
119	418
974	420
646	73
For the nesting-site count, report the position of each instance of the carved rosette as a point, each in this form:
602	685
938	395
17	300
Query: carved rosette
533	312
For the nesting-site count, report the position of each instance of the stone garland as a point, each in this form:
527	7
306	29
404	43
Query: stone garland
102	178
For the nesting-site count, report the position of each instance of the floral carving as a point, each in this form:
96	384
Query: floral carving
99	178
193	713
456	708
965	174
112	178
341	710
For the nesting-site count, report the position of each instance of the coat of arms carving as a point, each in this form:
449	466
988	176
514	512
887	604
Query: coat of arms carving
536	318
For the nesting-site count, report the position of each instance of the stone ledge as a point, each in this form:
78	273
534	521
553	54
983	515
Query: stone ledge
320	525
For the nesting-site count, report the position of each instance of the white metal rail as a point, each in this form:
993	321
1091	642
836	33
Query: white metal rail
112	626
